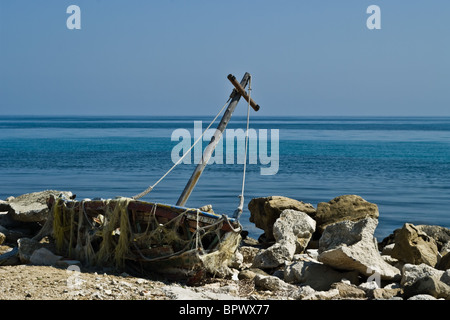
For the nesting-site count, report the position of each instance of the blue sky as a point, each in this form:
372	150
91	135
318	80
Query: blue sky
307	58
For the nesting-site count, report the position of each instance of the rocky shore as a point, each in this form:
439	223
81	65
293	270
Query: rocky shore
305	253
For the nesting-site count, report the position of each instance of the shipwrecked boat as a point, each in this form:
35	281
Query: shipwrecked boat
158	237
152	236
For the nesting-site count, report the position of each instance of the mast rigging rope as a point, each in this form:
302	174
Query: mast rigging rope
150	188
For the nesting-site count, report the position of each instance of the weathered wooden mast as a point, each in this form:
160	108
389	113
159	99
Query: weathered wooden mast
235	96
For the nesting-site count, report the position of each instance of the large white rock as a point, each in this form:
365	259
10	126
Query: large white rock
294	226
292	231
32	207
349	245
265	211
411	273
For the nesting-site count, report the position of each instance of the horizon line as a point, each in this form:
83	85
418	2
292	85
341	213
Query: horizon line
244	116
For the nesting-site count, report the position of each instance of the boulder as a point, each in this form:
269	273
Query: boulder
428	285
411	273
32	207
350	245
275	255
414	246
44	257
342	208
294	226
316	275
440	235
292	232
265	211
424	279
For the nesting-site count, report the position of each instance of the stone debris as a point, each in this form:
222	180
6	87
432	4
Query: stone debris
349	245
264	212
31	207
305	254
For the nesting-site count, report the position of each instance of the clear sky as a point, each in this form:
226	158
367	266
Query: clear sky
172	57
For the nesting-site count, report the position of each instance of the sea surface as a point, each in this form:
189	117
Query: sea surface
401	164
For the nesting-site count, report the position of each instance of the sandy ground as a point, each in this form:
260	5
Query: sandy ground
30	282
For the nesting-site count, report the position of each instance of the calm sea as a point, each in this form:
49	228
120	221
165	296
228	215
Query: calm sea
401	164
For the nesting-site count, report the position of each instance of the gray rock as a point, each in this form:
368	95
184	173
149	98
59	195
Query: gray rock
414	246
344	208
424	279
44	257
350	245
265	211
294	226
32	207
411	273
428	285
275	255
27	248
316	275
292	231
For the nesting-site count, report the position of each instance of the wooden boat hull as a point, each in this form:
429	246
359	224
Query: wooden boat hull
158	236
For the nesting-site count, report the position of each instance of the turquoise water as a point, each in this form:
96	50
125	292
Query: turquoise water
401	164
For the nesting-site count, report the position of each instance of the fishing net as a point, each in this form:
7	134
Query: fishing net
112	233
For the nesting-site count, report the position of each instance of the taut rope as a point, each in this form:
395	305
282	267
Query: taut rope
150	188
